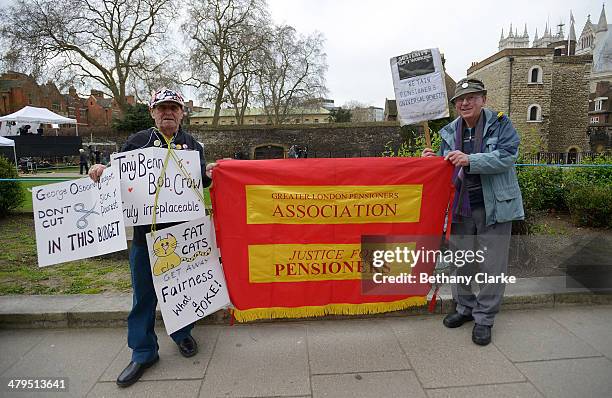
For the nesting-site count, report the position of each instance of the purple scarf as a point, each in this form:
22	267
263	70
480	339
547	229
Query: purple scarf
461	205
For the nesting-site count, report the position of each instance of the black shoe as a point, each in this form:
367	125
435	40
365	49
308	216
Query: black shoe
188	347
133	371
456	319
481	334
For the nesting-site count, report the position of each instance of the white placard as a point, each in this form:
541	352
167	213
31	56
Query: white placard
187	274
78	219
420	89
139	171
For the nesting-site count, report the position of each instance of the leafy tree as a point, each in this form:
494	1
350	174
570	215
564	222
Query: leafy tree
340	115
136	118
12	193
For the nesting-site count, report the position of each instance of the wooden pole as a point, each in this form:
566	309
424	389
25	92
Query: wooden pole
427	135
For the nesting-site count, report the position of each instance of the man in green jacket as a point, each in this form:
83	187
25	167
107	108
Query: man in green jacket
483	147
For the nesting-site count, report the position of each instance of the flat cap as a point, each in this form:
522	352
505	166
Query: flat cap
467	86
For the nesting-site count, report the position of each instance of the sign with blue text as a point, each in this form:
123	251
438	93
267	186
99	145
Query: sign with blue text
187	273
78	219
420	89
142	173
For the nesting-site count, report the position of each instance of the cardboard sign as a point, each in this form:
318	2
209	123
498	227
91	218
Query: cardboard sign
420	89
140	172
187	274
78	219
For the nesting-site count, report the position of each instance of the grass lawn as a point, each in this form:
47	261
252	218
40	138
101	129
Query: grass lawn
20	274
27	204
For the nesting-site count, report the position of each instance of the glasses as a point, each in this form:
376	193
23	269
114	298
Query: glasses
468	98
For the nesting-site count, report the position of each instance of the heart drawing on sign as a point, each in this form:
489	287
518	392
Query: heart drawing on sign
130	189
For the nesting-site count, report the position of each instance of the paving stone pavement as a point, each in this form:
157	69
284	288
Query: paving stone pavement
554	352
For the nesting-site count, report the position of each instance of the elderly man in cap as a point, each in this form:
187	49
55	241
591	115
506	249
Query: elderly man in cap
166	108
483	146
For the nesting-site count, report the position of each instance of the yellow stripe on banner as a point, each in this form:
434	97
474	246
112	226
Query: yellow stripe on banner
321	261
333	204
330	309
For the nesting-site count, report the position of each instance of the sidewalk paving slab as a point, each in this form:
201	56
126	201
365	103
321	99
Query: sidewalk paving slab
173	365
79	355
591	324
571	378
260	361
282	359
353	346
533	336
148	389
511	390
442	357
377	384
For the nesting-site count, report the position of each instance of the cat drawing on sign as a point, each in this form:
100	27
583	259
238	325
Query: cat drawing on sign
166	257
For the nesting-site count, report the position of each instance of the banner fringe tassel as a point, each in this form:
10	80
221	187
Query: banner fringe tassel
330	309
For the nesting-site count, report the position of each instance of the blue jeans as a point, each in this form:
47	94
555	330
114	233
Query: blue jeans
141	321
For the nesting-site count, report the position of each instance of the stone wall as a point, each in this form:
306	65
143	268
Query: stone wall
562	96
534	134
332	140
367	139
496	78
570	101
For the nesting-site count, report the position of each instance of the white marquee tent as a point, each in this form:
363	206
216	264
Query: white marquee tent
8	142
31	114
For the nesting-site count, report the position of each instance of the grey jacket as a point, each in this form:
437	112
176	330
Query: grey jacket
500	189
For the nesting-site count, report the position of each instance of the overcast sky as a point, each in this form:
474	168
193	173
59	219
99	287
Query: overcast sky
361	35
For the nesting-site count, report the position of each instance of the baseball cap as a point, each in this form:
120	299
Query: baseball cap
166	95
467	86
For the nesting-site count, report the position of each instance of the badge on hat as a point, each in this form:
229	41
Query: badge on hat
465	85
157	143
178	146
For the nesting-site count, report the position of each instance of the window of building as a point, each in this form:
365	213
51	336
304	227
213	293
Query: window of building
598	104
316	120
594	119
535	74
206	122
534	113
197	123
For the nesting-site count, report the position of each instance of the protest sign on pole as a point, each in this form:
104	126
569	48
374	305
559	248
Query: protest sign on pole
420	89
141	172
78	219
187	274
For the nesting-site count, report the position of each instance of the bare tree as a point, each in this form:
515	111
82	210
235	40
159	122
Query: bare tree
292	71
224	34
105	43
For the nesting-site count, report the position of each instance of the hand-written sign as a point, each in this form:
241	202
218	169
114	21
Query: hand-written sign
420	90
187	274
140	172
78	219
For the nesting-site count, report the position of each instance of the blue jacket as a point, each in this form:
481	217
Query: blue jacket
500	189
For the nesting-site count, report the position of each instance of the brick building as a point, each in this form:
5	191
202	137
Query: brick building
600	124
18	90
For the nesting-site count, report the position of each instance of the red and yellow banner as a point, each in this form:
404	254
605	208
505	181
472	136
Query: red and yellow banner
290	230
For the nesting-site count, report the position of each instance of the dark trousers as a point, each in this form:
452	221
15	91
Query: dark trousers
141	321
472	233
83	167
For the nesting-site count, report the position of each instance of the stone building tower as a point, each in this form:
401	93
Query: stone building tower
545	94
514	40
